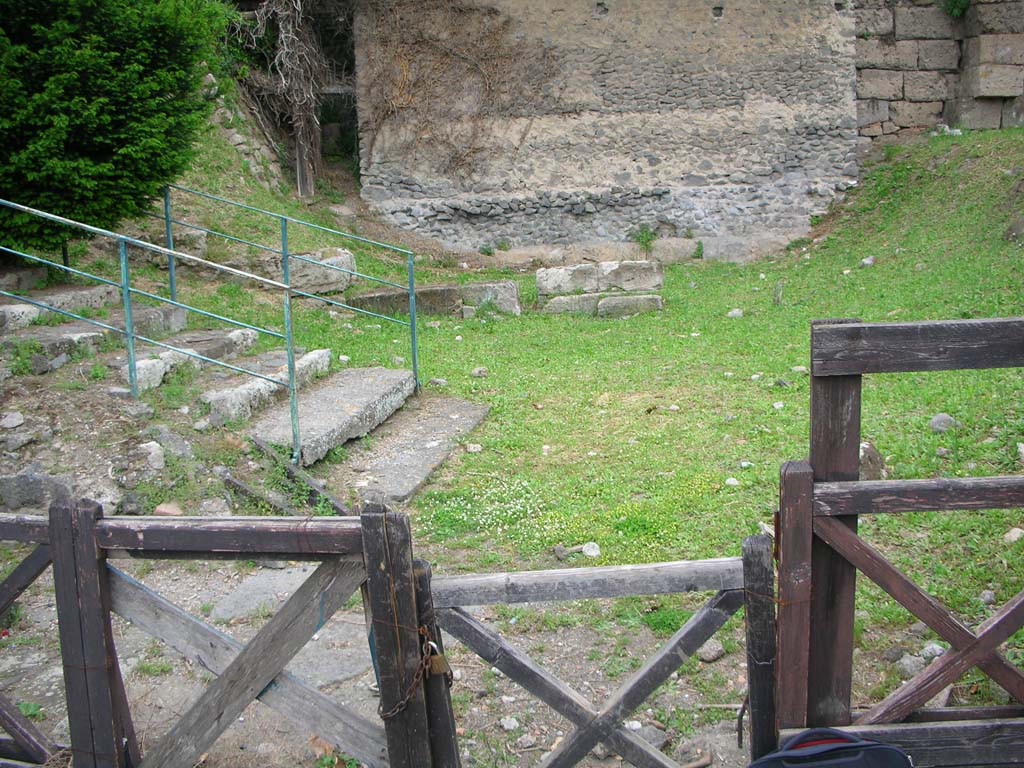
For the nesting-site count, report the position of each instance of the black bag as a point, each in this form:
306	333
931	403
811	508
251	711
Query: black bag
821	747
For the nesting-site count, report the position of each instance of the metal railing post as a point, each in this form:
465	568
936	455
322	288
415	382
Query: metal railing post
169	238
293	386
129	325
412	323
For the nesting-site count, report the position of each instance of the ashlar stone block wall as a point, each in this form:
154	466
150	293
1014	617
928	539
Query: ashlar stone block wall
525	122
917	66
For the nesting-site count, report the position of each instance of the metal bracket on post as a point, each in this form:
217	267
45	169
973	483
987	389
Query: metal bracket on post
129	325
169	238
412	322
293	386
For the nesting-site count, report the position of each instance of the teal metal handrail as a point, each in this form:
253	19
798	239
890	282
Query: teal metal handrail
128	292
287	257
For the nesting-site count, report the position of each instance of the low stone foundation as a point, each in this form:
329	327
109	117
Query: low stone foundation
606	289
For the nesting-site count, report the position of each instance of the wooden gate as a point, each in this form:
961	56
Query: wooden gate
78	541
820	551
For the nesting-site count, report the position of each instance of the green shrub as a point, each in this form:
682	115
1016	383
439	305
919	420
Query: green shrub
956	8
100	101
645	237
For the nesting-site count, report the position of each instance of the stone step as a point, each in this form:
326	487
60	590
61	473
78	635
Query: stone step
15	315
248	395
56	344
347	405
407	448
459	300
153	363
21	279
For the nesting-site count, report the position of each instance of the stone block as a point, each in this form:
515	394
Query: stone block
312	278
980	114
581	278
430	300
503	296
630	276
994	19
923	23
874	22
886	54
621	306
994	49
912	114
993	80
1013	113
879	84
673	250
938	54
925	86
583	304
872	131
871	111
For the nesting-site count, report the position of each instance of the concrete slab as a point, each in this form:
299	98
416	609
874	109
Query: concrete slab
408	448
347	405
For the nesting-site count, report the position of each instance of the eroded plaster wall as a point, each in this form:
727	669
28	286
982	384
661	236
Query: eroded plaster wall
523	122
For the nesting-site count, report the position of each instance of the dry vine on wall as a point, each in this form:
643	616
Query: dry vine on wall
443	71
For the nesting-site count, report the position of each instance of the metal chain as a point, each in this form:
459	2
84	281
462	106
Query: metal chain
422	671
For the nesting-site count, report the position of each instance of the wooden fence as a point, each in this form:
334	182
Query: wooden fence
405	609
820	552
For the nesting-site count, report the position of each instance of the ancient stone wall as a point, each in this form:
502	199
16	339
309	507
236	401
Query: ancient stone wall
521	122
917	66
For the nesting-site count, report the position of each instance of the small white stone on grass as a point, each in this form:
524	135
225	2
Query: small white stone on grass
526	741
799	369
728	374
943	422
545	449
732	482
847	271
345	359
711	651
474	448
154	454
755	377
509	723
931	651
439	383
673	408
1013	535
633	725
779	405
735	313
480	373
746	464
458	338
868	262
591	549
1020	452
168	509
694	335
988	597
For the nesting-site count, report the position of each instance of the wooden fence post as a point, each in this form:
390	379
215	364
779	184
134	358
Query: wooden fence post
444	746
794	623
101	731
835	456
759	591
387	549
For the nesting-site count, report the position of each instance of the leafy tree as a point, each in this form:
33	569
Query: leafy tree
100	101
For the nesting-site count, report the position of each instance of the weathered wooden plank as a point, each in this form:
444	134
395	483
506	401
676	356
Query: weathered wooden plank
387	543
949	667
21	578
27	529
588	583
982	743
97	640
857	348
948	714
310	535
7	763
62	544
213	650
10	750
30	741
794	624
308	557
759	596
302	615
444	746
520	668
925	607
318	493
647	679
834	456
869	497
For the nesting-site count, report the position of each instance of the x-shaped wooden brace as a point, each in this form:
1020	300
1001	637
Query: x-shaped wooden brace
249	674
969	649
594	726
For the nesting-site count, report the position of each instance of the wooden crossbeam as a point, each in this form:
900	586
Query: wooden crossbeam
519	667
949	667
213	650
30	739
588	583
21	578
871	497
642	683
262	660
925	607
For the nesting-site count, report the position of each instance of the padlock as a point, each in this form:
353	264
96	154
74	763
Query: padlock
439	666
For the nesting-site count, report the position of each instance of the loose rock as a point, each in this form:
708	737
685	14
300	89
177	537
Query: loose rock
942	423
591	549
480	373
11	420
509	723
168	509
988	597
526	741
711	651
732	482
931	651
908	666
474	448
1013	535
734	313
